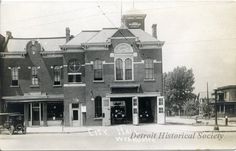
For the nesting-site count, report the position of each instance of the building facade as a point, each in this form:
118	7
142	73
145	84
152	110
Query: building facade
226	100
98	77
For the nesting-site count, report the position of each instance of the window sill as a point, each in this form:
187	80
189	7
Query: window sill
70	84
98	81
124	81
147	80
97	118
14	86
34	86
57	86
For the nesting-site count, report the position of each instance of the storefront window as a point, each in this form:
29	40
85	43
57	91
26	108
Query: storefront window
55	111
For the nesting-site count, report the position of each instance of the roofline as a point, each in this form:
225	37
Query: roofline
227	87
90	31
38	38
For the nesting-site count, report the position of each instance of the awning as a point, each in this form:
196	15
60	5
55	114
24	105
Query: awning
124	85
145	94
34	98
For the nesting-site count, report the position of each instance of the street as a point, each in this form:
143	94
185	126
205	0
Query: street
149	136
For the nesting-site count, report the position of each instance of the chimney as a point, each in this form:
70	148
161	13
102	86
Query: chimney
67	34
154	30
8	35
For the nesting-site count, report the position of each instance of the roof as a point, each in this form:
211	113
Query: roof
82	37
48	44
143	36
227	87
103	35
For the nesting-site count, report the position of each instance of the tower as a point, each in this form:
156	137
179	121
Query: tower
134	19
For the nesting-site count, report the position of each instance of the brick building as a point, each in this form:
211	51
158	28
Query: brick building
98	77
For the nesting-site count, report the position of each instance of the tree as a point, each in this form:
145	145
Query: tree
191	107
178	88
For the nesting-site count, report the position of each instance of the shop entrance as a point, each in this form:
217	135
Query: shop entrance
121	110
75	114
36	112
146	113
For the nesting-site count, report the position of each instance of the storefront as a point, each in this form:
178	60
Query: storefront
37	110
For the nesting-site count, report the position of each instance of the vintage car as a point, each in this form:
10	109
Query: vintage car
145	116
118	115
13	122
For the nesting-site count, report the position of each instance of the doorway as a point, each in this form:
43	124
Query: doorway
75	114
121	111
36	112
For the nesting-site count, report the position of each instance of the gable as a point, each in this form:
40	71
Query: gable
123	33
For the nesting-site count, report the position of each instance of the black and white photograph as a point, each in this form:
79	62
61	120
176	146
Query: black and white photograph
117	75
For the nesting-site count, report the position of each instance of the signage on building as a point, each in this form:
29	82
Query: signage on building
83	109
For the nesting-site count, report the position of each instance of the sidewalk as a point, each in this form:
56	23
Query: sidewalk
139	128
57	129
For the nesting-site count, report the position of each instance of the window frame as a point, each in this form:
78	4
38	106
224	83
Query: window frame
57	75
14	76
128	69
119	67
149	69
34	76
98	107
98	70
74	72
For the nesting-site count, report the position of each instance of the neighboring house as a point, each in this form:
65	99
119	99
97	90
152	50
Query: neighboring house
226	100
87	80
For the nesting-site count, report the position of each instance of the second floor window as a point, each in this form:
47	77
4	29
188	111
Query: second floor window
98	73
74	74
149	69
128	69
35	80
57	75
119	69
14	76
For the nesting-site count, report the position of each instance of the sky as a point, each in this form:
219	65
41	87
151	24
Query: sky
198	34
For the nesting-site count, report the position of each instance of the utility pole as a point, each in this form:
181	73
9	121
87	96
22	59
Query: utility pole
216	127
207	94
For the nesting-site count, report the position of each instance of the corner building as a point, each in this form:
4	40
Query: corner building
105	77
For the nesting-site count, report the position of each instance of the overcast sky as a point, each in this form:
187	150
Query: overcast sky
198	34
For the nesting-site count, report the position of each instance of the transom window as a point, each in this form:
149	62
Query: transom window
74	74
57	75
98	70
35	80
14	76
149	69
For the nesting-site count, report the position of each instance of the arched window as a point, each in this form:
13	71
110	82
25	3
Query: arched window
149	69
98	70
98	106
119	69
128	69
74	74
